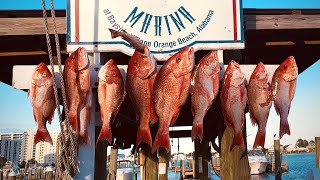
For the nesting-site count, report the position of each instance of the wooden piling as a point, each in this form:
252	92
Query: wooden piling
142	161
151	165
49	175
100	166
163	164
277	154
182	169
201	159
233	165
317	142
113	163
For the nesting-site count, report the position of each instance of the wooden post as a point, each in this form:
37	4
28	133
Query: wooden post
233	165
142	161
49	173
317	142
100	169
201	159
277	155
113	163
151	166
163	164
182	169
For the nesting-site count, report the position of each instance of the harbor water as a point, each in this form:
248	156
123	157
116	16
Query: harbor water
299	165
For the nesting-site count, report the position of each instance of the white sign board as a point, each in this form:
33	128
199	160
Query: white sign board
164	26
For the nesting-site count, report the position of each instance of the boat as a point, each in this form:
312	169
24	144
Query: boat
257	161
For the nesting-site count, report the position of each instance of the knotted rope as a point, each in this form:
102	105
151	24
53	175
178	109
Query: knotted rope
66	150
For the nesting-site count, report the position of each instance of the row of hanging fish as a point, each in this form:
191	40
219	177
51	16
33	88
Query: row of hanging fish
159	96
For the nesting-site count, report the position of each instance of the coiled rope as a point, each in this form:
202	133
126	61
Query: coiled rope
66	150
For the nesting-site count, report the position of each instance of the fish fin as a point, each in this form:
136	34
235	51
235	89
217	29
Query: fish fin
284	127
292	89
253	119
237	140
105	134
197	130
162	140
50	118
73	121
260	139
144	135
175	117
243	91
277	109
153	114
114	33
42	135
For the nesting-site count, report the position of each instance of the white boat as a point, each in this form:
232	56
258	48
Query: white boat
258	161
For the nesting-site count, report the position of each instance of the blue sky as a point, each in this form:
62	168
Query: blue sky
16	111
61	4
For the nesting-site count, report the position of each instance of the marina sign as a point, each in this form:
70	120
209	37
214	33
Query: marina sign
164	26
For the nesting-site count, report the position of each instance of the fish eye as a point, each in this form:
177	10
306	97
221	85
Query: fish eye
135	63
178	59
285	67
257	76
44	74
207	62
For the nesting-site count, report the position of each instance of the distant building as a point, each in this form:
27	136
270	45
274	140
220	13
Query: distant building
10	146
28	149
10	149
45	152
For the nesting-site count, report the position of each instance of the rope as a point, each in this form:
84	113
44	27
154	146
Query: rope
66	152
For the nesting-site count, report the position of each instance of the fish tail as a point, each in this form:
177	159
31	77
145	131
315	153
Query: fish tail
284	127
42	135
144	135
162	140
260	139
197	130
105	134
73	120
237	140
114	33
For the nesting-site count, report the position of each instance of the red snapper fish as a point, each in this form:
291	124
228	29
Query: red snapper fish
41	95
141	74
259	94
76	75
204	89
111	93
233	101
283	89
171	90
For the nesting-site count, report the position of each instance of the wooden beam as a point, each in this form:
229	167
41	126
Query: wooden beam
35	25
281	21
30	26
